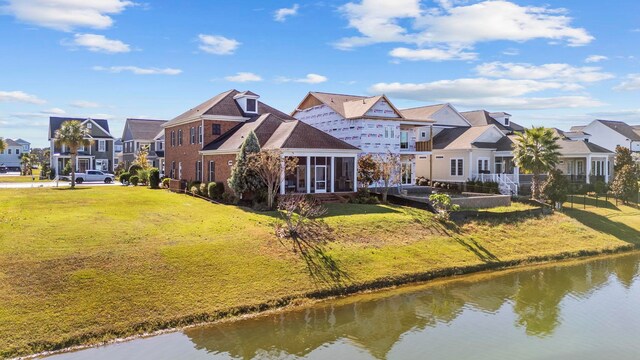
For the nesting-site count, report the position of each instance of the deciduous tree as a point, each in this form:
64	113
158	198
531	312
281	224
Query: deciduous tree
268	166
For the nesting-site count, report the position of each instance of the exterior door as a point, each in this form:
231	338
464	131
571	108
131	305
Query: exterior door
321	178
406	174
83	165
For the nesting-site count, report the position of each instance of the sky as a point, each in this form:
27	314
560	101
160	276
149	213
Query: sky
556	63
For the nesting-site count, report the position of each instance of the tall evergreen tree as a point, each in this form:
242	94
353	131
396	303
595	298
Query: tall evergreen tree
243	178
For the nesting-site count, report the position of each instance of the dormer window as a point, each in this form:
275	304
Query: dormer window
252	105
506	121
89	125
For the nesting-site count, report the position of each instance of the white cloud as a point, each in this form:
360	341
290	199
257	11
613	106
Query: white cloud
243	77
66	15
555	72
511	52
84	104
483	92
99	43
309	79
455	24
282	14
19	96
433	54
632	83
216	44
53	111
595	58
138	70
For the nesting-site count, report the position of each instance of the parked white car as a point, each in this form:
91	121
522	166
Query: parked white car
94	176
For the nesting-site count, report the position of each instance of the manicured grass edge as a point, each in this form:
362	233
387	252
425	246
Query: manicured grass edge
151	328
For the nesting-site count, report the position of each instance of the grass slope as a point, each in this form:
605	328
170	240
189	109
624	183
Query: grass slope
96	263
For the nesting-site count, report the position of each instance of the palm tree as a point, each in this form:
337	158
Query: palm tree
26	162
73	135
536	152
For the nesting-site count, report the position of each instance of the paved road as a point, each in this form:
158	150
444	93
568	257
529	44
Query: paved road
43	184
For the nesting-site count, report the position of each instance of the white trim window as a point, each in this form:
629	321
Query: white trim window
180	170
198	170
389	132
212	171
483	165
252	105
102	145
457	167
200	134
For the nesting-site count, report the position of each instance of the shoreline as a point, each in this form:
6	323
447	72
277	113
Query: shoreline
87	341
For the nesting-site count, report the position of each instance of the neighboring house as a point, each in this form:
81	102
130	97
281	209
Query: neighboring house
99	155
139	133
583	161
117	144
159	152
609	134
26	146
10	157
202	145
372	124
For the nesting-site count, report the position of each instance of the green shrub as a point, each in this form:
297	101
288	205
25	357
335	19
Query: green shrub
600	187
125	177
66	171
133	169
364	197
134	180
195	190
191	184
229	197
165	182
143	176
203	189
52	174
215	190
154	178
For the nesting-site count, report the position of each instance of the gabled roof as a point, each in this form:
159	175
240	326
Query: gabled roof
225	105
422	112
569	147
143	129
621	128
276	133
482	118
56	122
11	142
578	128
22	141
351	106
465	138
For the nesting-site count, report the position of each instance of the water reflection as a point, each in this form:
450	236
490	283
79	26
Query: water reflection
377	324
586	310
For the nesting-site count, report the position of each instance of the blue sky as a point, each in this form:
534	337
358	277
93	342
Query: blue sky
556	63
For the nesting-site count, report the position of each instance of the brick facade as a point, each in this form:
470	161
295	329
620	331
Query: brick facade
188	153
222	167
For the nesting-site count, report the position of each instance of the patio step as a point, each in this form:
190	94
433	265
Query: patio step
330	198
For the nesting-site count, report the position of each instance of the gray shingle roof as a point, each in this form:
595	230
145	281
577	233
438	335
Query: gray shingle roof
422	112
11	142
56	122
144	129
621	128
569	147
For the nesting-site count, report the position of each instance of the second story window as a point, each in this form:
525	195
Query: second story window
173	138
389	132
252	105
216	129
180	137
102	145
404	139
199	134
192	135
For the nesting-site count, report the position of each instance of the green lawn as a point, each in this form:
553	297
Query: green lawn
19	178
98	263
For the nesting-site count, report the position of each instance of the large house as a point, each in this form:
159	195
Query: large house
202	145
582	160
372	124
139	133
609	134
99	155
10	156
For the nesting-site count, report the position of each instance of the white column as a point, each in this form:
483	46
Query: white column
606	169
588	169
333	174
308	174
76	162
355	173
470	175
282	176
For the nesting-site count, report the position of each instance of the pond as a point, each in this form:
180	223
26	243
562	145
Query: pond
576	310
